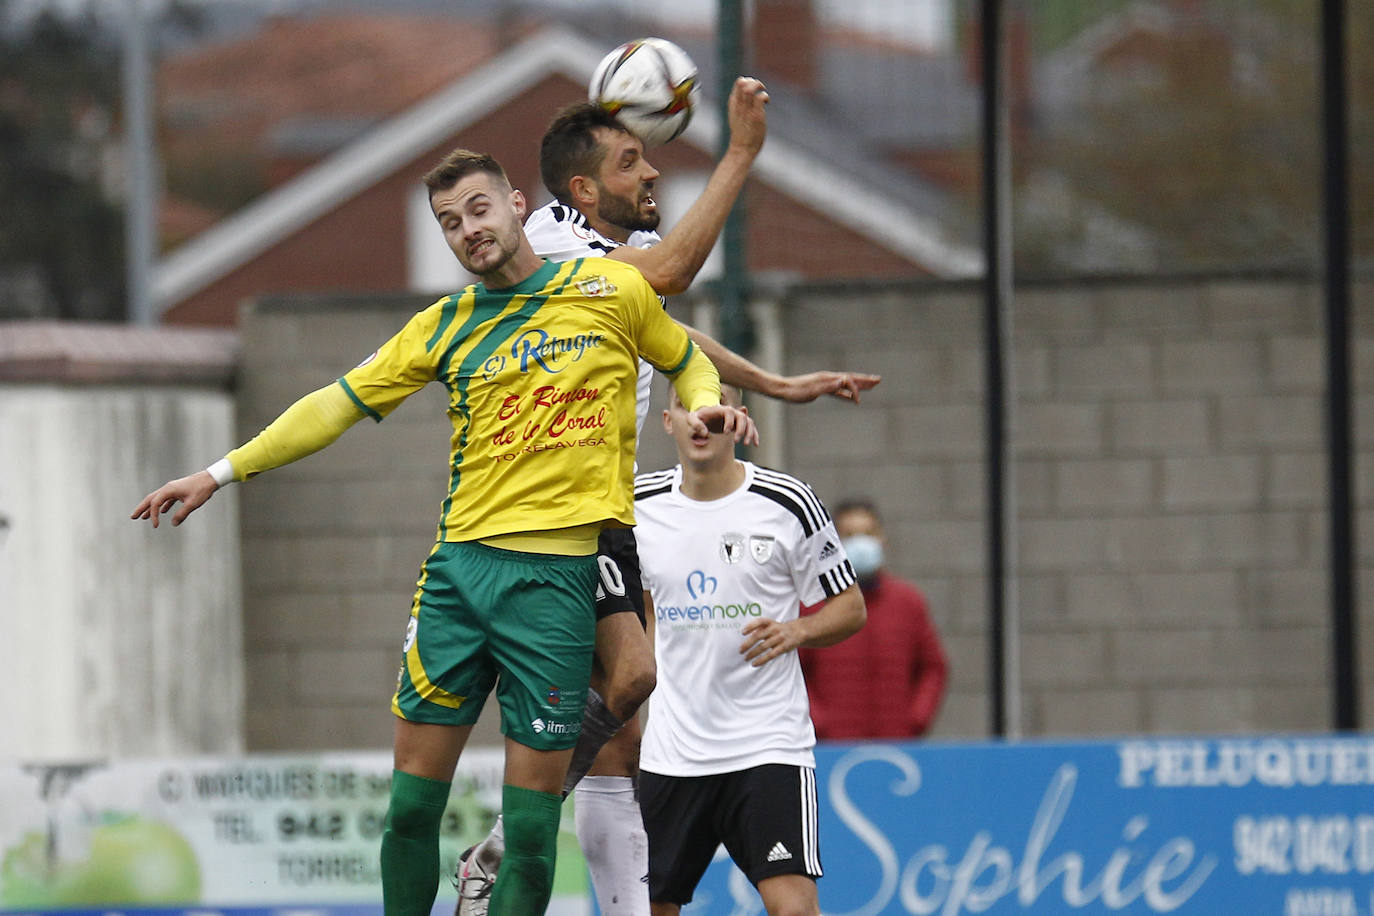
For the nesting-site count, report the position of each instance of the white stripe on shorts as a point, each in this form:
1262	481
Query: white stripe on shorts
811	846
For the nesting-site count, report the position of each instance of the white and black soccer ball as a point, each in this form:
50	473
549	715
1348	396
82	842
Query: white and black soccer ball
651	85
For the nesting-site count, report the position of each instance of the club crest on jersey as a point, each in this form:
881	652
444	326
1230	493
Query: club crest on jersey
583	232
554	696
595	286
761	547
732	547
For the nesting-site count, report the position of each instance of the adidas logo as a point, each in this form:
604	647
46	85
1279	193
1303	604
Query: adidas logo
778	853
826	552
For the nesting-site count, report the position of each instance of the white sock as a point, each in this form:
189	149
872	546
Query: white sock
611	833
490	851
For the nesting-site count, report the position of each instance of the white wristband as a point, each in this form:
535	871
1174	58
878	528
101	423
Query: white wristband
222	471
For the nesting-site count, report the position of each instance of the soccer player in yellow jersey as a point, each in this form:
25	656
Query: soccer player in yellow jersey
539	360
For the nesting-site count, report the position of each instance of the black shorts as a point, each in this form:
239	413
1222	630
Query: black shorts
765	816
620	589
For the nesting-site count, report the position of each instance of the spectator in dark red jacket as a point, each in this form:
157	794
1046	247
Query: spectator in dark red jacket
887	680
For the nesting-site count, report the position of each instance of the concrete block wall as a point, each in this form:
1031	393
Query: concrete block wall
332	545
1170	483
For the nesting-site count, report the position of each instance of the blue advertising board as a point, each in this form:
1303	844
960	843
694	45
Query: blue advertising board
1227	826
1198	826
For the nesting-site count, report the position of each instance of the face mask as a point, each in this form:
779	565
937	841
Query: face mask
865	554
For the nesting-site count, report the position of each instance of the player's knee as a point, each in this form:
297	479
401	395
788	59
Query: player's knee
416	807
630	690
530	823
794	907
790	895
642	684
406	819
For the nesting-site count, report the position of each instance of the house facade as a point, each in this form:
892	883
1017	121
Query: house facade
357	220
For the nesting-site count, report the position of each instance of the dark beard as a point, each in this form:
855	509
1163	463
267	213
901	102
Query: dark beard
624	213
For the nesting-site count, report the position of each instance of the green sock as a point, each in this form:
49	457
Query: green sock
410	844
525	881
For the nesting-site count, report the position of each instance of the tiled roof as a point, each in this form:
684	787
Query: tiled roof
350	66
847	195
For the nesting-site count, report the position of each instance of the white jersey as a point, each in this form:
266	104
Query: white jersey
560	233
712	567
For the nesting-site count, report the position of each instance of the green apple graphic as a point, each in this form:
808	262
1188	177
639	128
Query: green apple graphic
131	860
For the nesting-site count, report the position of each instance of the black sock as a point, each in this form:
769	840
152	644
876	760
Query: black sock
599	725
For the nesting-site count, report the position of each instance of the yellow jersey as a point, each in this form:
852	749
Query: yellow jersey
541	396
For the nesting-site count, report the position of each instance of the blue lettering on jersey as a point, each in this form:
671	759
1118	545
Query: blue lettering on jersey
699	585
547	352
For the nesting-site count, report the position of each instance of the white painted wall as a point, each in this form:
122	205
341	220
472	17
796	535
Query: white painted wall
115	640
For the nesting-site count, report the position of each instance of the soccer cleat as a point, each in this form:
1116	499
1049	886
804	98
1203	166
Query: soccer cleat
474	885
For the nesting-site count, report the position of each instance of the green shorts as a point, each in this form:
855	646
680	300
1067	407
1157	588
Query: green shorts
522	622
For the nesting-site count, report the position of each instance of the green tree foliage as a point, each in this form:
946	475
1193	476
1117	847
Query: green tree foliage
1206	143
61	235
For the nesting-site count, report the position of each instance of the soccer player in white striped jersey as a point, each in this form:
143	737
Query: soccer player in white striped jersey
604	206
729	552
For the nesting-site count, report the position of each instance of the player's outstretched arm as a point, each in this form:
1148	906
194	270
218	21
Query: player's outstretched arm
838	619
192	492
802	389
799	389
304	428
672	264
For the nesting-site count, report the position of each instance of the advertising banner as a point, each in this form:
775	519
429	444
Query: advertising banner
241	835
1220	826
1217	826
